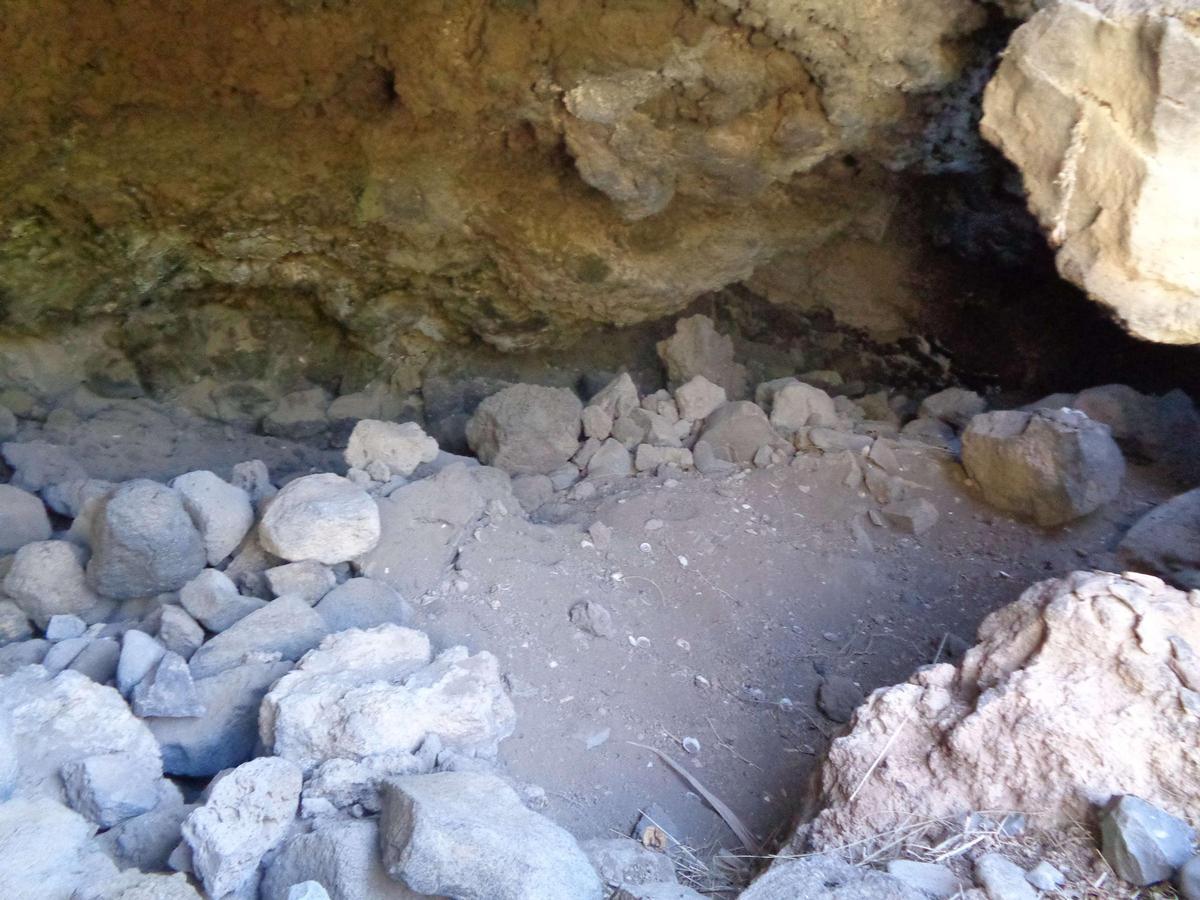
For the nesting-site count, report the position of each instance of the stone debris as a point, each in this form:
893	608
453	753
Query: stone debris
23	519
144	543
593	618
913	516
320	517
1050	466
698	397
399	447
468	835
838	697
526	429
221	511
1143	843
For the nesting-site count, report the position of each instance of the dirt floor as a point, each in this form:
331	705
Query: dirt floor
730	599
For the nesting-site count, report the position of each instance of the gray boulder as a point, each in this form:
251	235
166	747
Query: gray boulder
221	511
698	398
169	691
248	812
144	543
611	460
213	600
363	603
526	429
1049	465
47	852
140	653
1143	843
134	885
618	398
827	878
226	734
19	654
288	627
47	579
468	835
954	406
14	624
323	517
799	405
308	579
1166	542
63	626
179	632
146	841
342	855
1002	878
111	787
39	464
737	430
98	660
23	519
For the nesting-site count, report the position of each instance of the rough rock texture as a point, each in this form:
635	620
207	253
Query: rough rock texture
1096	102
287	627
46	851
23	519
526	429
401	447
1050	465
508	171
469	836
368	692
221	511
827	878
1166	542
47	579
1082	689
322	517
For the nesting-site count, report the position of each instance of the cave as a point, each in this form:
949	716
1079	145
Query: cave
639	449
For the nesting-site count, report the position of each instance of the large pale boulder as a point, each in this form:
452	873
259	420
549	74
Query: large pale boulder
1051	466
1058	708
363	693
399	446
1096	102
47	579
47	852
221	511
322	517
526	429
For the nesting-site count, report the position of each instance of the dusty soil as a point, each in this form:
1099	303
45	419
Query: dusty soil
730	599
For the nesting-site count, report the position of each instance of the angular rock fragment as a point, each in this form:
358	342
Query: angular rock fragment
287	627
144	543
46	851
698	397
213	599
611	460
47	579
340	854
526	429
696	348
110	787
795	406
309	580
362	603
469	836
400	447
737	430
221	511
1166	542
140	653
322	517
1143	843
168	692
23	519
954	406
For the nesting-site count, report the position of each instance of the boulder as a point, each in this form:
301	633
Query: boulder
47	852
698	398
146	841
1002	878
98	660
323	517
254	478
400	447
1143	843
1166	542
110	787
47	579
38	465
526	429
65	719
954	406
143	543
248	812
697	348
618	398
178	632
213	600
14	624
1069	690
221	511
1049	465
342	855
226	734
425	523
362	603
287	627
22	653
168	691
799	405
737	430
23	519
611	460
307	579
467	835
597	423
827	878
377	691
932	879
1107	152
133	885
60	627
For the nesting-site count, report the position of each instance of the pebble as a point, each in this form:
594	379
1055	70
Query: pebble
1002	879
1044	876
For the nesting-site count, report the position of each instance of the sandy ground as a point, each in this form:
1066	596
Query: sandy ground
730	599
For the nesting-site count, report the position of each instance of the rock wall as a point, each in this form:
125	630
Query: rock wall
308	189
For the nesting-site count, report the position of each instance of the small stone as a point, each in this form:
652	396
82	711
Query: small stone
399	447
23	519
14	624
954	406
1002	879
597	423
591	617
1143	843
145	543
213	600
62	627
1045	877
325	517
179	632
308	890
254	478
838	697
62	654
308	579
649	458
914	516
532	491
623	861
565	476
363	603
221	511
98	660
932	879
610	460
110	787
47	579
288	627
169	692
601	535
140	654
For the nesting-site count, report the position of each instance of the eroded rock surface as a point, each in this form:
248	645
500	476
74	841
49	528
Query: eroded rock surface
1096	103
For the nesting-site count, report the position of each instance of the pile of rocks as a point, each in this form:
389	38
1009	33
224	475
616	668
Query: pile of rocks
209	688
